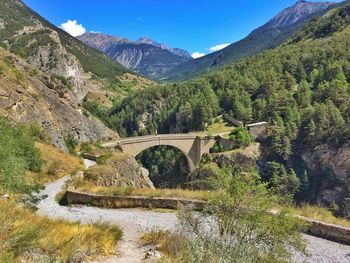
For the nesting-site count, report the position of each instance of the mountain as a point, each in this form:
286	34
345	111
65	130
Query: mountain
49	48
177	51
45	74
143	56
268	36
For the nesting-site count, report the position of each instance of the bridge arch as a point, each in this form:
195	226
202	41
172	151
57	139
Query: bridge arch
190	145
190	163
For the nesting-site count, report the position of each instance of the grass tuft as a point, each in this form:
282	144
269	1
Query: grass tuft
174	246
321	214
52	237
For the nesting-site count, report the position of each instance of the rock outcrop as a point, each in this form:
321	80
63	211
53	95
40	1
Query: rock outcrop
335	162
338	159
28	95
119	171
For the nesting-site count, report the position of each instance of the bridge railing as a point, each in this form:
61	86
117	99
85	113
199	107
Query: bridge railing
159	136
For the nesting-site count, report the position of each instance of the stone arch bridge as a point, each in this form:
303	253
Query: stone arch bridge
192	146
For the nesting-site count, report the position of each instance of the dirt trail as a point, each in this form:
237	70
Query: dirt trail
134	222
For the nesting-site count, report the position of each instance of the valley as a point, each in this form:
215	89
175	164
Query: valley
114	150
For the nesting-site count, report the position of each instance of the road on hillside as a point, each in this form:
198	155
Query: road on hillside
134	222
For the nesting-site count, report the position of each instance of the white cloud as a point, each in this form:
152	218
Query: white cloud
95	32
197	55
73	28
218	47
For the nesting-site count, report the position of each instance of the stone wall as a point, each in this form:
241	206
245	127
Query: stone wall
327	231
233	121
258	130
74	197
316	228
227	143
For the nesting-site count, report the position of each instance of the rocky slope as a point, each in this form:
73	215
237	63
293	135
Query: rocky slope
268	36
28	95
46	74
144	56
119	170
334	163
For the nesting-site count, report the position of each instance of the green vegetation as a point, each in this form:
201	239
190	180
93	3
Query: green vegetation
241	137
241	228
17	156
167	166
197	107
300	88
71	144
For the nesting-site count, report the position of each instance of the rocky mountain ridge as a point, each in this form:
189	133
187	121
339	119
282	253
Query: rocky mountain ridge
144	56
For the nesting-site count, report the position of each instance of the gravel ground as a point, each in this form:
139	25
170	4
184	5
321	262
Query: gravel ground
136	221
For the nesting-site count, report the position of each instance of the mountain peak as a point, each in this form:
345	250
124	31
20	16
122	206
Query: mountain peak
300	11
147	40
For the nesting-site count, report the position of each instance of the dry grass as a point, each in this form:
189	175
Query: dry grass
320	214
56	238
57	163
172	245
89	187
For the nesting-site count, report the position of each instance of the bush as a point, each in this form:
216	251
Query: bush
241	137
71	144
17	156
237	227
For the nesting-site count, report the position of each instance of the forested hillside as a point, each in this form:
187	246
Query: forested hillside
300	88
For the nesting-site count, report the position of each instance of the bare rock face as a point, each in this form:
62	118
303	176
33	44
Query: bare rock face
119	171
143	56
336	159
28	95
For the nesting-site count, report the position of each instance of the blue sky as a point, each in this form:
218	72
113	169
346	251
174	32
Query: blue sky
193	25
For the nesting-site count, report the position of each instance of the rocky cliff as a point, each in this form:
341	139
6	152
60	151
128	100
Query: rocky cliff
324	156
335	163
28	95
119	171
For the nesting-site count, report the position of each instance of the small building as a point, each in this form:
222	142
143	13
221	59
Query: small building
233	121
258	130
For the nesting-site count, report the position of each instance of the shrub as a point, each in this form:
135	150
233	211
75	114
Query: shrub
71	144
17	156
241	137
237	226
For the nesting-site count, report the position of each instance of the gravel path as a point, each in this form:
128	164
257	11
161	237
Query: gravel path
136	221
